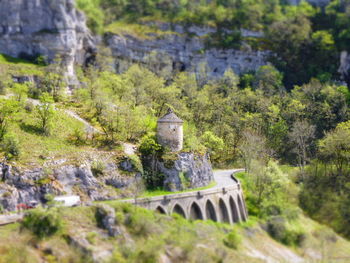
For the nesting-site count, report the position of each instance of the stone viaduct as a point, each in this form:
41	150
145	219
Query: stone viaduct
222	203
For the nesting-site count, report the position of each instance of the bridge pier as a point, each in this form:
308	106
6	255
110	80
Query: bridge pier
224	205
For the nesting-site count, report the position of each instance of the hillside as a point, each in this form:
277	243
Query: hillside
142	236
253	84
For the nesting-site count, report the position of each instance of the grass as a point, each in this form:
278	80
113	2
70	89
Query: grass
139	31
146	236
35	147
153	193
4	59
18	66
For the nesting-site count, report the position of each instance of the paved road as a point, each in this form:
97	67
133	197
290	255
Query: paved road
224	179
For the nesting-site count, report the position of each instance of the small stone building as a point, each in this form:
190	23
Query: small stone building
170	131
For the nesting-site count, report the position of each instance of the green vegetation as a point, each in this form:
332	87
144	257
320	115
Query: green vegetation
290	113
150	237
304	38
18	66
43	223
152	193
135	30
249	120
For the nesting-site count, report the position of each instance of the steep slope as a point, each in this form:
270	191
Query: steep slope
121	233
30	28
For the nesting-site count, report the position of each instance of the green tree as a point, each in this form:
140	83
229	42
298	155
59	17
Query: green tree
302	135
269	80
7	110
20	91
213	143
335	147
45	113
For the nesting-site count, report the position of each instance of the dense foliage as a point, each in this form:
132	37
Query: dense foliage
306	41
292	112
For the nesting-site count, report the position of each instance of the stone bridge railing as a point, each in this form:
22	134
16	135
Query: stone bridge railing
220	204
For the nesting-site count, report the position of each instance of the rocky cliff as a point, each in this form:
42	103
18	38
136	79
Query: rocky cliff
320	3
91	183
188	170
344	67
176	48
29	28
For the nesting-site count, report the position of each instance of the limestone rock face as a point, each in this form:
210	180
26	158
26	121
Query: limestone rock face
320	3
344	68
182	50
23	186
29	28
188	171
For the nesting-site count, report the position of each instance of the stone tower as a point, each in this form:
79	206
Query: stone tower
170	131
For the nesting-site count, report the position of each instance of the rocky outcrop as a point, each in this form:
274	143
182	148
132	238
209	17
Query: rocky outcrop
25	185
182	49
190	170
29	28
107	220
344	68
321	3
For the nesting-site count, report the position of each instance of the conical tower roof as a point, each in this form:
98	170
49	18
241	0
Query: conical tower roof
170	117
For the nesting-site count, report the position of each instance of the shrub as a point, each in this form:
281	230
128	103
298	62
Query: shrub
43	181
10	146
97	168
278	230
117	257
91	237
186	183
169	159
136	163
149	145
153	180
232	239
43	223
29	107
78	137
142	223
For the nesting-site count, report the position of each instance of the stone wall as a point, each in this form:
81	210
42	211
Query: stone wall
224	205
170	135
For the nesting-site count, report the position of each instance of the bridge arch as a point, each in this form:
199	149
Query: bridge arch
160	210
210	211
179	210
195	212
241	208
234	210
224	216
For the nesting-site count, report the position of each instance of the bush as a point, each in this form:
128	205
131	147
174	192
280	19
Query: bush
97	168
29	107
91	237
277	229
43	223
78	137
153	180
232	239
10	146
142	223
136	163
149	146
